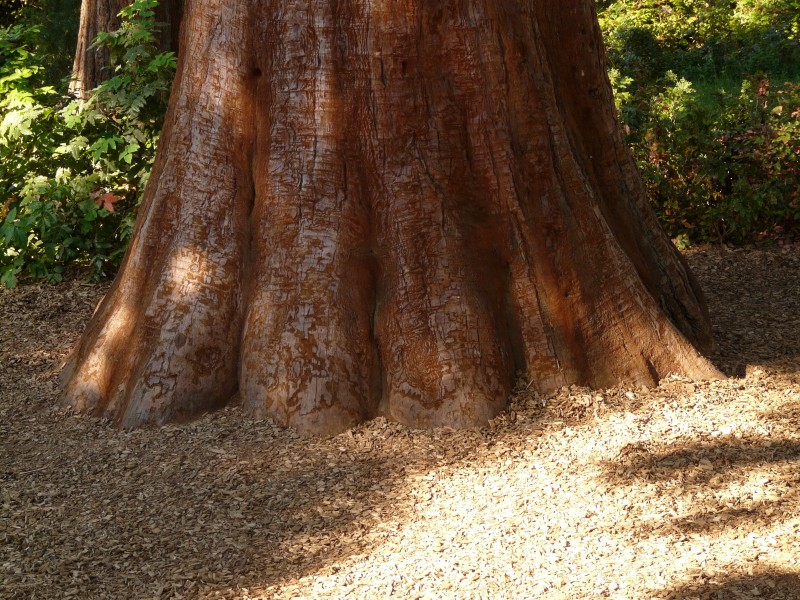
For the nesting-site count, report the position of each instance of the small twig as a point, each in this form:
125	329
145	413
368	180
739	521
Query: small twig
32	471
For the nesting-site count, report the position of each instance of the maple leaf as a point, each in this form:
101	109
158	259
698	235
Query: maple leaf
107	201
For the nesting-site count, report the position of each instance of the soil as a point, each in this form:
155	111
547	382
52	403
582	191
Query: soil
688	490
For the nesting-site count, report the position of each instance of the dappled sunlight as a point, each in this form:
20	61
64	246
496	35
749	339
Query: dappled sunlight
718	461
89	370
593	506
713	487
682	491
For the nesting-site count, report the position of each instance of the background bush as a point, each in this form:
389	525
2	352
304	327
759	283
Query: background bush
10	11
72	171
56	23
708	96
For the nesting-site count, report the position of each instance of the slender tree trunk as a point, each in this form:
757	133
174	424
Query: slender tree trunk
89	67
369	208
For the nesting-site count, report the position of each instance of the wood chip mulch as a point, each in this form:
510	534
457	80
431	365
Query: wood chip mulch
688	490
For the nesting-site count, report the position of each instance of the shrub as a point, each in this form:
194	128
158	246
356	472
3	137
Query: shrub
708	95
73	171
727	171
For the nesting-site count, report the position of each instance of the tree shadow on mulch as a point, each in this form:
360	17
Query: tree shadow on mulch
130	515
216	505
206	507
754	301
714	467
771	585
765	473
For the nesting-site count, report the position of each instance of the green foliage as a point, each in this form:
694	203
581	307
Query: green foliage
71	171
708	95
703	39
57	22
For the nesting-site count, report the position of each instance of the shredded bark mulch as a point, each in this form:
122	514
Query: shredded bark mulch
688	490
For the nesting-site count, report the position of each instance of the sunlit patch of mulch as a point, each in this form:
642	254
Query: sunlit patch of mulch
689	490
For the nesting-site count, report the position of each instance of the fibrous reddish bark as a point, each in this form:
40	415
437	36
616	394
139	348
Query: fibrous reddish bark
368	208
89	67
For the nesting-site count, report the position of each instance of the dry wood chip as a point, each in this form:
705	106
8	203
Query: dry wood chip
688	490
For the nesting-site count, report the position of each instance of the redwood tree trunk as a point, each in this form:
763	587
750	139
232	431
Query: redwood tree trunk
369	208
89	66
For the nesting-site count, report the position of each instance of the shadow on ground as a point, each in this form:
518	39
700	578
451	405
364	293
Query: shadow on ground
754	301
186	511
219	504
714	468
768	585
227	503
729	485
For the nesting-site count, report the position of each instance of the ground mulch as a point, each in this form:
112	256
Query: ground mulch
688	490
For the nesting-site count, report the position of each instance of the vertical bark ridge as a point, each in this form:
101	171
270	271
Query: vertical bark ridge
619	330
578	62
307	355
516	129
163	343
495	136
442	335
579	348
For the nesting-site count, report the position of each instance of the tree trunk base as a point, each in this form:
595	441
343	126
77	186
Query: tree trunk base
391	209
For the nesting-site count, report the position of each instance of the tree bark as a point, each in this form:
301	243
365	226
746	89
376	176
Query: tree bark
366	208
89	68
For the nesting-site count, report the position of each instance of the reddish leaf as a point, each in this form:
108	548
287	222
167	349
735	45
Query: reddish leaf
108	200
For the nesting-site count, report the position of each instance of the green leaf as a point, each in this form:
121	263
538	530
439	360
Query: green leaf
8	278
127	153
102	146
